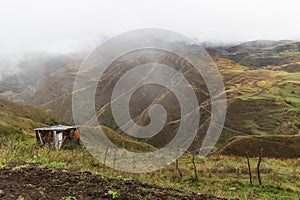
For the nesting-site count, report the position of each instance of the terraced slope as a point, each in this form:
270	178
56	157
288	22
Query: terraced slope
277	55
263	101
260	102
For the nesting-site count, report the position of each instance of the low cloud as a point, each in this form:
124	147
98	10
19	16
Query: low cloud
71	26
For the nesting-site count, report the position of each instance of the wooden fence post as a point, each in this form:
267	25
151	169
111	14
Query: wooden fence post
258	167
177	169
249	168
194	164
104	163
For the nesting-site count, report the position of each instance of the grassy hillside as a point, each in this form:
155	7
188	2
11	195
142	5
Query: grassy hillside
126	142
54	92
279	146
258	54
20	118
24	117
218	175
260	102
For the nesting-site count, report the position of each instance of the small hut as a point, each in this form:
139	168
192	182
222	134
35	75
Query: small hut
57	135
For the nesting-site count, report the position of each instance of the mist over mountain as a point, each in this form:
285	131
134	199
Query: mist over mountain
24	74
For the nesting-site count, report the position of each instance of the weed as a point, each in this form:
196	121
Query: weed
57	165
113	194
123	178
20	167
69	198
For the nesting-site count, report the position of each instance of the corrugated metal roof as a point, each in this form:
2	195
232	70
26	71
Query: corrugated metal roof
55	128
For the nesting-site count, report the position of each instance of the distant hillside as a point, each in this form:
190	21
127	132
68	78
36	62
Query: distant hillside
54	92
264	53
258	44
279	146
25	117
32	67
292	67
260	102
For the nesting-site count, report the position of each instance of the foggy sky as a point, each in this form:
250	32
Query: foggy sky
69	26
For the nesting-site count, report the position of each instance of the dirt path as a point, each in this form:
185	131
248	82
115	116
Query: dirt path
33	182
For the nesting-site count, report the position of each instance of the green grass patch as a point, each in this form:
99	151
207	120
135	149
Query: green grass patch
218	175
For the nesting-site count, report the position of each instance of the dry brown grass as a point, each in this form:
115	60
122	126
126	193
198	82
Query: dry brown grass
25	117
278	146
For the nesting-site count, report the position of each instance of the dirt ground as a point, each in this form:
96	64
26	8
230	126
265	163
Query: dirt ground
34	182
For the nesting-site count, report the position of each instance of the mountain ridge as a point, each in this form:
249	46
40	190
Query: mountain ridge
261	101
